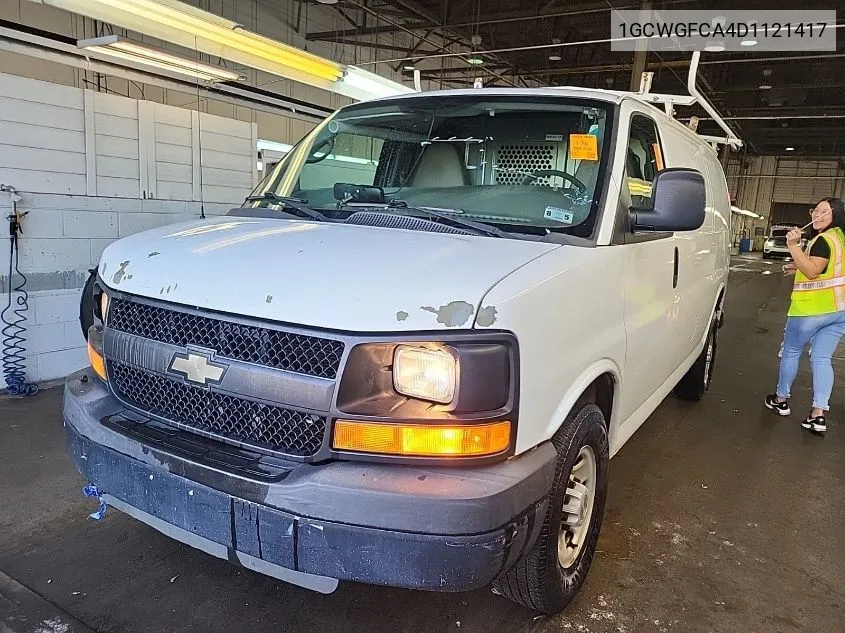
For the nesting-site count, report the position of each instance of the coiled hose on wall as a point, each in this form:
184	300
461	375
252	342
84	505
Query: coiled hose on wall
13	316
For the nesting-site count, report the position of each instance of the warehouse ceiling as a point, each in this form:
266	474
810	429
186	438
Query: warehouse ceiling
799	109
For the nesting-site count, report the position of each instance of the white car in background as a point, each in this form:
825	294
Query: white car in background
775	244
410	355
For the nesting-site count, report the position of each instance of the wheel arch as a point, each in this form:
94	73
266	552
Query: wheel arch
719	308
600	383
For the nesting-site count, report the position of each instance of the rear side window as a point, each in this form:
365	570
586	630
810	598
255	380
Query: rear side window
644	159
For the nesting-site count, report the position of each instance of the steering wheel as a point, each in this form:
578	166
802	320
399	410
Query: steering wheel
545	173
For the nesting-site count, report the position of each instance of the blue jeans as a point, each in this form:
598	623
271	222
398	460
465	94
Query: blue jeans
824	331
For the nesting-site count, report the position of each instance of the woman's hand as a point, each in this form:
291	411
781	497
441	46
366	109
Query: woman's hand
789	269
793	238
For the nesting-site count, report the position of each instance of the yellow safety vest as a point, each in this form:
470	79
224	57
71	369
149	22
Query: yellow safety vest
825	293
639	187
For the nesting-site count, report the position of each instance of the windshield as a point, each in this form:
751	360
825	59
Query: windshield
515	162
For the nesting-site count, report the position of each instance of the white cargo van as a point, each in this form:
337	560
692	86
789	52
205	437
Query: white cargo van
409	356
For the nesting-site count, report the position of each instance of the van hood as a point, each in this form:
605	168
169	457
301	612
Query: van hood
335	276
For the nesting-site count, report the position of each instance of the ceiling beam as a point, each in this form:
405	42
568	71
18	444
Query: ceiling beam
507	17
419	11
445	35
330	36
655	65
374	45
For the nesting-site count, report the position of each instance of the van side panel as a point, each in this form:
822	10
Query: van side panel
697	287
567	310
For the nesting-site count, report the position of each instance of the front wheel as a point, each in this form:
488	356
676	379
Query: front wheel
551	574
696	383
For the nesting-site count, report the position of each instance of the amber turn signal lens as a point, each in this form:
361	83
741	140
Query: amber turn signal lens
422	440
98	363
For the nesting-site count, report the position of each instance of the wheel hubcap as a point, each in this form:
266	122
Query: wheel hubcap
577	507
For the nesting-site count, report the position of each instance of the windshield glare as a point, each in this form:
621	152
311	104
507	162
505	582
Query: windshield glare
510	161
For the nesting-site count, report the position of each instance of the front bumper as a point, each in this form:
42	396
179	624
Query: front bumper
777	251
447	529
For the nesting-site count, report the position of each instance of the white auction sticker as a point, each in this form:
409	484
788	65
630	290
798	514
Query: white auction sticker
558	215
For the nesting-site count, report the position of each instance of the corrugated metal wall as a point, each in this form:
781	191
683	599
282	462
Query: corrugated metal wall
806	181
759	182
753	186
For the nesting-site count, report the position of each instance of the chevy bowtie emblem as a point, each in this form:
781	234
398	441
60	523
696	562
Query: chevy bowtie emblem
197	367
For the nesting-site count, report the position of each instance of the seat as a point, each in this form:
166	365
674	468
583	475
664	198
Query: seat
440	166
634	166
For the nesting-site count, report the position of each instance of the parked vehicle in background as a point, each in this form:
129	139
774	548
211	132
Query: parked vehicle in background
775	244
410	355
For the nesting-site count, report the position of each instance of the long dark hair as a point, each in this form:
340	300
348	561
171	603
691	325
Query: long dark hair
838	209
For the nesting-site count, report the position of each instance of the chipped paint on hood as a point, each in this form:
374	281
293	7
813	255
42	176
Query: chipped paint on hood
337	276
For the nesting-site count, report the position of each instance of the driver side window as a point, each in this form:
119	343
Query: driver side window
643	161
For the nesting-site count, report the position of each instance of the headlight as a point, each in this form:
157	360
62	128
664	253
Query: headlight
429	374
394	381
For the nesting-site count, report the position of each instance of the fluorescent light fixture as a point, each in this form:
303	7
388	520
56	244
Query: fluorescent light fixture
204	32
554	54
714	47
748	43
362	84
121	48
750	214
273	146
194	29
409	67
475	60
790	149
351	159
765	87
285	148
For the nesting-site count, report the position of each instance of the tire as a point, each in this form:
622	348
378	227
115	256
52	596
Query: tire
539	580
766	256
86	304
696	383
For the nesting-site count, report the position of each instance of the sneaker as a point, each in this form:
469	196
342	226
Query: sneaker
817	424
781	408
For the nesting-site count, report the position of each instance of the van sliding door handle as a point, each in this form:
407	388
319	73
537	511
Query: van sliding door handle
675	273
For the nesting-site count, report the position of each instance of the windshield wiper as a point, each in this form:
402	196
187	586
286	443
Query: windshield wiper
452	216
297	204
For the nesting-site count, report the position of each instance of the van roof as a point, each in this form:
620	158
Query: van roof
611	96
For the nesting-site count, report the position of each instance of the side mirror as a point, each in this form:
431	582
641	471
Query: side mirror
678	201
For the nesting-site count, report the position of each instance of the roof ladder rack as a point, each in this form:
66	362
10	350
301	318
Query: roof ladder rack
670	101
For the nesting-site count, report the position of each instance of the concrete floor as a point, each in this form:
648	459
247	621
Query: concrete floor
721	518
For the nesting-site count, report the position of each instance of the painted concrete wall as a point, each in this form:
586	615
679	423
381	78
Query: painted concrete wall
91	168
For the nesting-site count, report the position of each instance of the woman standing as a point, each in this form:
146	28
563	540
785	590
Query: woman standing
816	312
